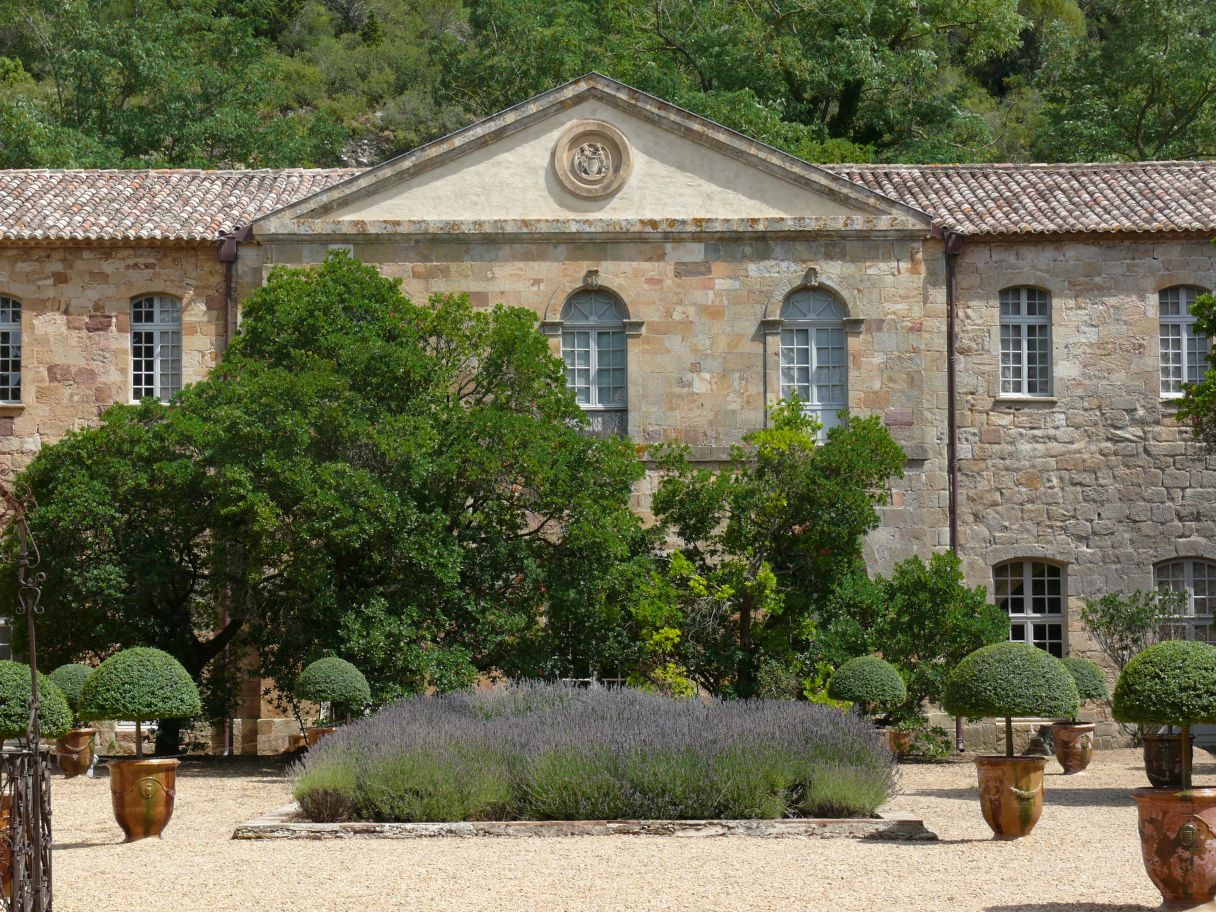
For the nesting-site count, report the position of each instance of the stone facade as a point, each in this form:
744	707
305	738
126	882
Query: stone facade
703	240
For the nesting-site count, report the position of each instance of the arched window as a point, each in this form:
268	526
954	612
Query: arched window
1197	578
1032	594
814	353
593	348
1183	351
156	347
10	349
1025	341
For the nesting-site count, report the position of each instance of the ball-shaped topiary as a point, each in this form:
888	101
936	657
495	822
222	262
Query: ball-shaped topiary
1172	683
334	681
1010	679
70	679
140	684
868	681
54	714
1089	678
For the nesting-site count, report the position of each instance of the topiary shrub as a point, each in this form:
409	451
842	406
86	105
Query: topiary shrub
1089	678
54	714
1007	680
70	680
141	684
1170	683
868	681
334	681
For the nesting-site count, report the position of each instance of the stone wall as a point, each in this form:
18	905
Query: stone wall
76	330
1099	478
703	347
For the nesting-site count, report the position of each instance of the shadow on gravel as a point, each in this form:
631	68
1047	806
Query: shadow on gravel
1070	907
1055	795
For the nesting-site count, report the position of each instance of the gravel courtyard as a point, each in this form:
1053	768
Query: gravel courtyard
1084	855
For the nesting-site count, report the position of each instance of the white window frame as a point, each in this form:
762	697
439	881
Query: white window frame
1187	362
10	350
1188	574
1029	625
812	325
156	347
1018	324
593	325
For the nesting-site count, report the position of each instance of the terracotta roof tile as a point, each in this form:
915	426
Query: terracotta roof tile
970	199
147	205
1051	199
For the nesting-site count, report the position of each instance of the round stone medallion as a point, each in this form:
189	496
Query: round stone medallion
592	159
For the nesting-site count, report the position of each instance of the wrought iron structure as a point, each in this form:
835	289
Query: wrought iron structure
25	781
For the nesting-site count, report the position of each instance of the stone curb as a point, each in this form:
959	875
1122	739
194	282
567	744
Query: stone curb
285	823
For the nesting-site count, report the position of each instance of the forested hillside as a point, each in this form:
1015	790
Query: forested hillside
257	83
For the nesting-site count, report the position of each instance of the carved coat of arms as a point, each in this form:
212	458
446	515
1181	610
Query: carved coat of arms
592	161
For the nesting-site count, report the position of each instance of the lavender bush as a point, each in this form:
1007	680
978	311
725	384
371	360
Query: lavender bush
551	752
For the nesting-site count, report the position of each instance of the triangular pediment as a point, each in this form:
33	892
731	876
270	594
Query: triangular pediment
593	155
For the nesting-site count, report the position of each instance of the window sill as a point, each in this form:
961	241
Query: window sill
11	408
1026	400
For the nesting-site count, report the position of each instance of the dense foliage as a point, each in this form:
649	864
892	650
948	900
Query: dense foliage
1011	679
407	486
1198	406
923	619
1089	678
761	543
273	82
140	684
869	682
54	714
70	680
1171	683
552	752
336	681
1125	625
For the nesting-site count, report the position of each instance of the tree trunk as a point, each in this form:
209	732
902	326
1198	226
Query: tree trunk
139	740
1184	742
1008	736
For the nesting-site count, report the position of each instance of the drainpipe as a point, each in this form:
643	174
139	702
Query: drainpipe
229	246
954	246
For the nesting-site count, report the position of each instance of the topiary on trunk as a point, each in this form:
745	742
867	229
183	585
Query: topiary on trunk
70	680
141	684
1089	678
870	682
1171	683
1007	680
54	714
334	681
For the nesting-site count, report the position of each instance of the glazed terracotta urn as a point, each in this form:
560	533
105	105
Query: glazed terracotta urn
1074	745
74	752
142	792
1178	844
1011	793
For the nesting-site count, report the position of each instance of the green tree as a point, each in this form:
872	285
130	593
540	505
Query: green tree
1138	82
923	618
762	541
405	486
1198	406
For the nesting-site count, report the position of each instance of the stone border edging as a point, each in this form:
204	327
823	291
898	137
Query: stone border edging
285	823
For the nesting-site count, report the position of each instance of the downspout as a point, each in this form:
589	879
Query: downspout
954	246
229	248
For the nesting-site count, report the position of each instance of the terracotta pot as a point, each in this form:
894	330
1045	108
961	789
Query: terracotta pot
898	741
1163	760
313	735
1074	743
142	792
74	751
1178	843
1011	793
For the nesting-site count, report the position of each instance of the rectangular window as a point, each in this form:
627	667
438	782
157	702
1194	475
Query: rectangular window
10	350
1183	351
595	366
156	348
1025	328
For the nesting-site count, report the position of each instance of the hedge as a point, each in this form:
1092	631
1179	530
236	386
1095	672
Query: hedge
54	714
